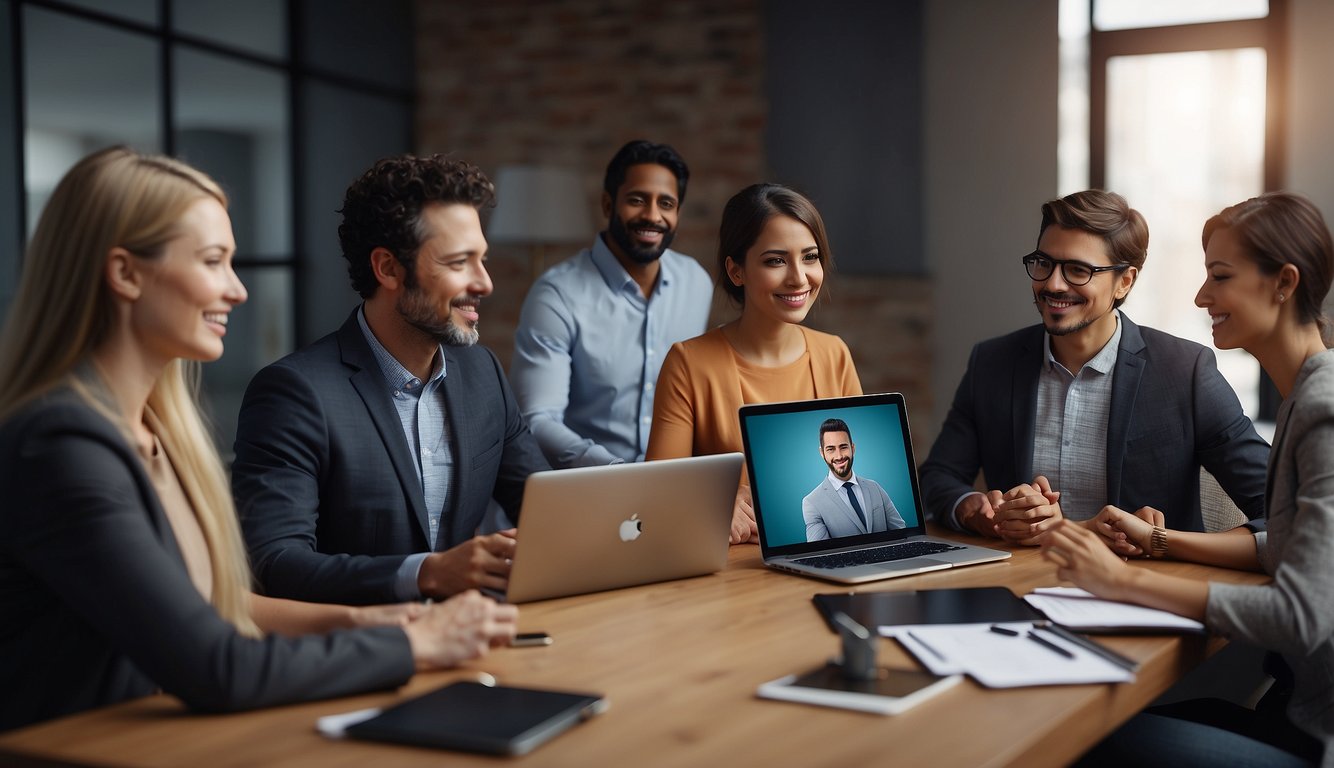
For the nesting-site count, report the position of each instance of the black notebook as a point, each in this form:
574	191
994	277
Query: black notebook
479	718
969	605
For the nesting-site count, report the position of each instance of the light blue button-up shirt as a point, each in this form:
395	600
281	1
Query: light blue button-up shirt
589	347
421	413
1070	433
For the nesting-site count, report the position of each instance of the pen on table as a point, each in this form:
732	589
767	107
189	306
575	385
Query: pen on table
1040	640
933	651
998	629
1091	646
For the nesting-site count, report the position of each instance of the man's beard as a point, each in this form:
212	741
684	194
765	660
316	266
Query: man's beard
1061	330
620	233
1066	330
420	312
835	471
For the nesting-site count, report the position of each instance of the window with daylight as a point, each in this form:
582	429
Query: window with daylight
1183	102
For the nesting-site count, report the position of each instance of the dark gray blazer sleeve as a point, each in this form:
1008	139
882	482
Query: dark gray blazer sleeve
105	595
955	458
281	470
1226	442
495	449
521	455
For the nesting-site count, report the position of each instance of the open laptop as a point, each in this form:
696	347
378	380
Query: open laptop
595	528
806	522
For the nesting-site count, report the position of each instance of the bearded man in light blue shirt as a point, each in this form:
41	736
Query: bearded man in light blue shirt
594	329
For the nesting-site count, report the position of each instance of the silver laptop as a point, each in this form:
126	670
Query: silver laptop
834	487
595	528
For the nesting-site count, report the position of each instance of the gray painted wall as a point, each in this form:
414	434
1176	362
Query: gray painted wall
990	138
845	100
1310	127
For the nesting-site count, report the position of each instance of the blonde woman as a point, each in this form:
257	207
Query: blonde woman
772	258
121	566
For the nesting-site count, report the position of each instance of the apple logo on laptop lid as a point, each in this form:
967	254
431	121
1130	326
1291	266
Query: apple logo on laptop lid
632	528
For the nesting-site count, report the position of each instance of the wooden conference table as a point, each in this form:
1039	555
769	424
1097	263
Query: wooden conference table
679	663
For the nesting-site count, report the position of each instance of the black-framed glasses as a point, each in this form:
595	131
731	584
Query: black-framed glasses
1040	266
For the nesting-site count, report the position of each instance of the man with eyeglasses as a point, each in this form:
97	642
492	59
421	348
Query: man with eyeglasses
1088	408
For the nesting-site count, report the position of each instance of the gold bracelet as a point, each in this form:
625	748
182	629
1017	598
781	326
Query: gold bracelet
1158	543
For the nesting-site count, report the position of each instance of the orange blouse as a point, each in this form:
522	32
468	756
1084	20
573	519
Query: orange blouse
704	382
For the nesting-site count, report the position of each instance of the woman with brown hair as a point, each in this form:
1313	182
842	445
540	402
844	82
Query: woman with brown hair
772	260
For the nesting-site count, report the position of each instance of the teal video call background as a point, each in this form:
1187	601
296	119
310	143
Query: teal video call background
785	448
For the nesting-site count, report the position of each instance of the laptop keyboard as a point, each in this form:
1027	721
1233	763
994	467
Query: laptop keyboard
884	554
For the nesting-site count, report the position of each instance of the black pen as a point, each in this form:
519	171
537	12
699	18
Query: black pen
1090	645
933	651
1035	637
998	629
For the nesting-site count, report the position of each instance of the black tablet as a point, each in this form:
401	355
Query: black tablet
965	605
479	718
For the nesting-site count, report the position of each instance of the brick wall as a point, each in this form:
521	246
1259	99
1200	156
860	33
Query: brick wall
567	82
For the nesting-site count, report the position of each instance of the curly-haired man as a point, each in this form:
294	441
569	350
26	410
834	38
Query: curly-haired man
366	462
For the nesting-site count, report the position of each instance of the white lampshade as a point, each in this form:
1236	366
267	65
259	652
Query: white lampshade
539	205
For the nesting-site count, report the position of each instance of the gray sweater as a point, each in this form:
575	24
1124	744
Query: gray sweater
1294	614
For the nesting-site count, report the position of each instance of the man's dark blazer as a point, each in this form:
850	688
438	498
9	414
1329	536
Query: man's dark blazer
329	498
98	606
1171	413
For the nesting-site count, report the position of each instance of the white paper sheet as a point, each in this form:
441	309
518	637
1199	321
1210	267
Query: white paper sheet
1080	610
999	660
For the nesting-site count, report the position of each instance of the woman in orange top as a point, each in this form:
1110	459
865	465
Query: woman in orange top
772	256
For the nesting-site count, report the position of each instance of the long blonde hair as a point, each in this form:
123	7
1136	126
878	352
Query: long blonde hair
64	311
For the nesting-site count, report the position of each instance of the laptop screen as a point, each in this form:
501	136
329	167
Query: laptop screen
831	473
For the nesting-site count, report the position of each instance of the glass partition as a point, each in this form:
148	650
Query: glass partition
256	26
231	120
74	104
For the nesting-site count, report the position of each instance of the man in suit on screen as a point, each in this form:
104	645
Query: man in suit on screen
844	504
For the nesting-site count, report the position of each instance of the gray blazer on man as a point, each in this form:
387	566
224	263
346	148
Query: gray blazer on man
99	608
329	497
1171	413
828	514
1293	615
